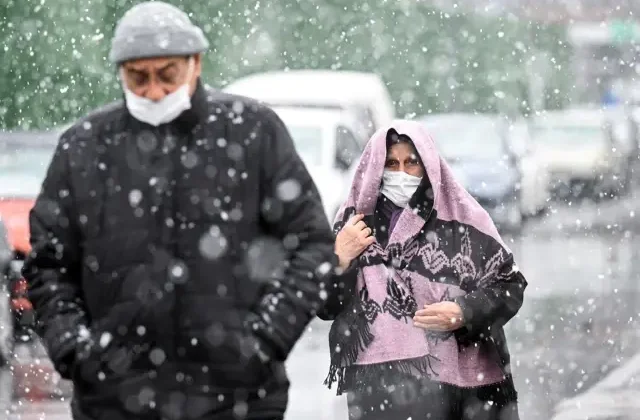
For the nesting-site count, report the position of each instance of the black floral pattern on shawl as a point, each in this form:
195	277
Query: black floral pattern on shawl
399	302
367	306
433	258
396	255
463	263
491	272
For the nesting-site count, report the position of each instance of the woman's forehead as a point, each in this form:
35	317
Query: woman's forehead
401	148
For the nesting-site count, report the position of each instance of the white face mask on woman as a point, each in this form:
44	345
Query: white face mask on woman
163	111
399	186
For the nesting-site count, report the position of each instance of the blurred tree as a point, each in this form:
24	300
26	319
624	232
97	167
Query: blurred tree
57	69
52	67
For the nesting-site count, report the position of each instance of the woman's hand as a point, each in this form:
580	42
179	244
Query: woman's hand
352	239
441	316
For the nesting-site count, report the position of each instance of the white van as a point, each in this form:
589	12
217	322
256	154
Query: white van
364	95
330	147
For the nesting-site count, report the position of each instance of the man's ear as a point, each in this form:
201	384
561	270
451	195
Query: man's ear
197	64
120	73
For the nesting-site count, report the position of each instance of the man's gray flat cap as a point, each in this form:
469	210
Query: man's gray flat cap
155	29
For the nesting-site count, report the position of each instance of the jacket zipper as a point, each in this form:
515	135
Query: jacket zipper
177	288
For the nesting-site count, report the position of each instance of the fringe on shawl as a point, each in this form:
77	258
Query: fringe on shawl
350	334
359	378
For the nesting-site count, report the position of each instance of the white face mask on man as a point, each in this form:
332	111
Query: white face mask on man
399	186
163	111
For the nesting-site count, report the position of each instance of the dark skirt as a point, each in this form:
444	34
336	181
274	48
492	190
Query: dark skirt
418	399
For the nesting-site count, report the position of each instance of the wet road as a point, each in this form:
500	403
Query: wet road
578	322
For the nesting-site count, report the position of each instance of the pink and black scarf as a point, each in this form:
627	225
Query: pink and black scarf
443	246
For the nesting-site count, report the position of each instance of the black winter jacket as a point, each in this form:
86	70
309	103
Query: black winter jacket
175	262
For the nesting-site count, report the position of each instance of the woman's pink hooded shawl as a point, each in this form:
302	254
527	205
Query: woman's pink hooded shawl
453	252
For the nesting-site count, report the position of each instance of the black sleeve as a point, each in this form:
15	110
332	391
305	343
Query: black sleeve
291	211
341	289
52	269
494	303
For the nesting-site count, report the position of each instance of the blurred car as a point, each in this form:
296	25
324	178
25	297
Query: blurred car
35	377
6	318
6	252
330	148
24	159
613	398
584	151
625	132
534	188
365	95
476	148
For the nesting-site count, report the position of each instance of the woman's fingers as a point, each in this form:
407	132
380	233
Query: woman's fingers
368	241
427	320
360	225
432	323
359	234
428	310
355	219
366	232
365	241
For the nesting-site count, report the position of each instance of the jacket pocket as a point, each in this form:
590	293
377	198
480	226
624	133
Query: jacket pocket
109	352
237	363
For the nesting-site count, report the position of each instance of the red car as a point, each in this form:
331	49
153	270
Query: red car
24	159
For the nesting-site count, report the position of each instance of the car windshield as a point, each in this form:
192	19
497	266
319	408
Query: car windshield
467	139
567	136
23	168
308	140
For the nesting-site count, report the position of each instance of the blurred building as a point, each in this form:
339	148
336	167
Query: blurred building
562	11
604	36
565	11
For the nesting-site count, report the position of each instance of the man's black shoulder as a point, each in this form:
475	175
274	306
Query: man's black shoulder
238	104
79	141
229	99
108	118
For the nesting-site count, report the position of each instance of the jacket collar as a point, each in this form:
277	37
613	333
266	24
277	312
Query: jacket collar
199	111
